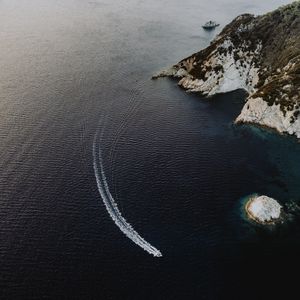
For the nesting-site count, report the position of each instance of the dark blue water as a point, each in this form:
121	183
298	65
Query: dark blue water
175	163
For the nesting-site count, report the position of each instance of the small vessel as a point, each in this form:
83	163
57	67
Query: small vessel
210	25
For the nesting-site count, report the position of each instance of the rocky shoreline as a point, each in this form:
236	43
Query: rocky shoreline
260	54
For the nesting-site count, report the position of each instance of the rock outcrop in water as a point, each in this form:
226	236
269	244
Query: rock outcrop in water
263	209
260	54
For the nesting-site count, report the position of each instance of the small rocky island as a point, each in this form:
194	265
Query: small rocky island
263	210
260	54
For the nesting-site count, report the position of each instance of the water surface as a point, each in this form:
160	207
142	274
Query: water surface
175	163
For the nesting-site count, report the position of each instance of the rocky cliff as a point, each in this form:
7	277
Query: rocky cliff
260	54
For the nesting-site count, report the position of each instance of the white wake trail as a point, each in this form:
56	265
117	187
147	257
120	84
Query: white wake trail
111	205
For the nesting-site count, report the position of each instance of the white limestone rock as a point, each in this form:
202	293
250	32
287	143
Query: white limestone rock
257	111
260	54
226	73
263	209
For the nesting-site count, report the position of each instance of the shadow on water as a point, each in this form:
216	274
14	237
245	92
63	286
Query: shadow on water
254	263
268	257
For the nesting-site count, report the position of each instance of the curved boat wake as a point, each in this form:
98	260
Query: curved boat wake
111	205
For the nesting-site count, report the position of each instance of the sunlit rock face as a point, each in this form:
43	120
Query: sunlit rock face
260	112
260	54
263	209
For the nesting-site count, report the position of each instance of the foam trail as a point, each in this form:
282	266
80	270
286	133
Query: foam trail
112	207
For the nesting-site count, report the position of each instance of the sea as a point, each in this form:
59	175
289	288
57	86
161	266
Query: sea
92	148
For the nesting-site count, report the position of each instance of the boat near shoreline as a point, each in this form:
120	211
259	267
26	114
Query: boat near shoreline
210	25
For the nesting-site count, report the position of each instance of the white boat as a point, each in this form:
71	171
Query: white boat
210	25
